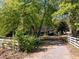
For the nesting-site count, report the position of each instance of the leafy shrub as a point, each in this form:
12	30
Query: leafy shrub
27	43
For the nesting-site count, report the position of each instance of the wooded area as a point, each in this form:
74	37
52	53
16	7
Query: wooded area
26	20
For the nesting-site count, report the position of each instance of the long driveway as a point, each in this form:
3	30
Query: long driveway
57	51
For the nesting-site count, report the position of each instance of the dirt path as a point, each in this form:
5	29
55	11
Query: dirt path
55	50
51	49
74	51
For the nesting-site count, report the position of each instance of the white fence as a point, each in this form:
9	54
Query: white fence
74	41
4	39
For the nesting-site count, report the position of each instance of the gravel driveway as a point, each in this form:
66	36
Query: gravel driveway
58	51
50	50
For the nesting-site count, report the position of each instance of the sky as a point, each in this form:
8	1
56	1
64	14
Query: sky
1	2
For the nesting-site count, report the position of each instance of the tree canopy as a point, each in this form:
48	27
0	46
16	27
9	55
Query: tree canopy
32	15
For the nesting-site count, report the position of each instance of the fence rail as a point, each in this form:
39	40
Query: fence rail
74	41
4	39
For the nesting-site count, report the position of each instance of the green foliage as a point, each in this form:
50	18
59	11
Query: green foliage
71	10
27	43
25	14
64	8
28	13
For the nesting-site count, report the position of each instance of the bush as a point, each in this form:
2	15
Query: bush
27	43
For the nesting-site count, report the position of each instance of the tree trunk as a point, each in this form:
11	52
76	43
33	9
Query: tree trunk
42	21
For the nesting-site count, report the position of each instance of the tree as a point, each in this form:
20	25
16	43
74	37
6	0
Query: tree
66	8
62	27
27	14
15	14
